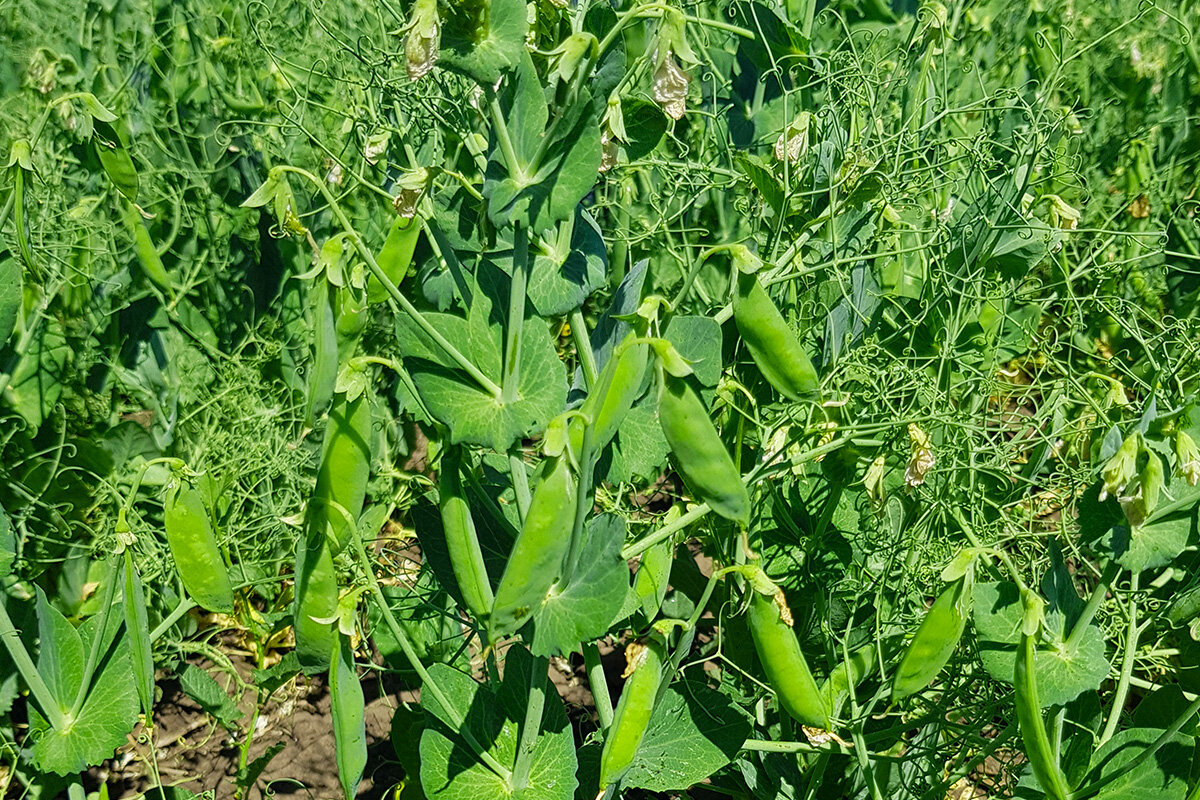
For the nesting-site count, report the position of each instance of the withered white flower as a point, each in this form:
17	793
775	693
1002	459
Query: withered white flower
423	40
670	86
793	142
922	458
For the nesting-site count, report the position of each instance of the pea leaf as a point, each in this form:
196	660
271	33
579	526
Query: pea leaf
10	296
110	708
449	768
197	684
588	605
1064	670
1163	777
1154	544
482	57
543	193
560	282
698	339
645	125
640	449
693	732
36	382
473	415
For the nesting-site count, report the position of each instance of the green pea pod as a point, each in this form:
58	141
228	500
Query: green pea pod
617	387
349	725
462	543
650	583
772	345
322	375
137	623
537	556
194	547
316	603
351	319
935	642
632	716
847	675
699	452
143	247
770	623
345	467
395	256
114	157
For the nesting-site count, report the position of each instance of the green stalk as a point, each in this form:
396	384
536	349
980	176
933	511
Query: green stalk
517	297
531	727
583	346
25	666
599	684
427	682
486	383
1111	570
656	10
181	610
1131	642
515	168
583	503
89	669
520	482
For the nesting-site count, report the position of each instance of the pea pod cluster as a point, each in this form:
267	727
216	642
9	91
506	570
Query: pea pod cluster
537	556
701	457
935	641
770	622
632	717
194	547
772	344
462	542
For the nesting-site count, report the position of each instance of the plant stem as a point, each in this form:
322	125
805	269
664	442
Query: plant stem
1111	570
520	482
655	10
486	383
583	504
427	682
181	610
89	668
599	684
511	379
583	347
29	673
515	168
1131	640
531	727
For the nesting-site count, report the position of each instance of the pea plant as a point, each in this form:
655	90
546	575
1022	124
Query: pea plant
812	384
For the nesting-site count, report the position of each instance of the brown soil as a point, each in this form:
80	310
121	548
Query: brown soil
195	753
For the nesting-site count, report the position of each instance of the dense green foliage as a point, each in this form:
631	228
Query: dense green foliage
731	332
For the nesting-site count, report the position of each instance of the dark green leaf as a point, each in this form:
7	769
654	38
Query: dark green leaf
449	768
694	732
197	684
586	608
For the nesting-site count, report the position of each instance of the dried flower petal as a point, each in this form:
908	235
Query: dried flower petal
423	40
670	87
